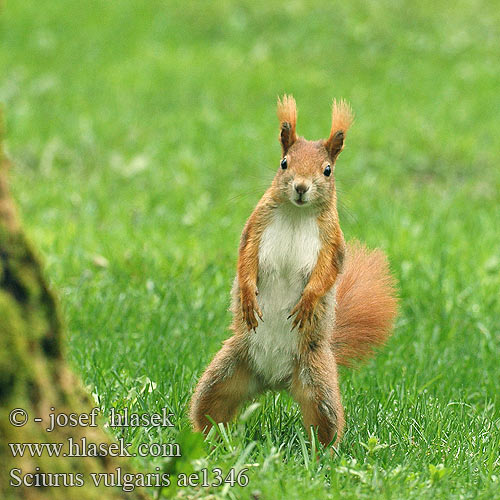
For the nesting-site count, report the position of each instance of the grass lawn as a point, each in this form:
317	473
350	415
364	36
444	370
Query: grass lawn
142	136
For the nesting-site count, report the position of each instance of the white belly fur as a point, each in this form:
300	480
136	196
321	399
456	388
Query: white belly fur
288	252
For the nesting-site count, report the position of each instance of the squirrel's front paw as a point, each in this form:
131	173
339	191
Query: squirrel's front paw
303	312
249	307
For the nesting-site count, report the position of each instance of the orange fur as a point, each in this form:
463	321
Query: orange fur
320	401
225	384
301	352
366	304
287	111
342	117
287	115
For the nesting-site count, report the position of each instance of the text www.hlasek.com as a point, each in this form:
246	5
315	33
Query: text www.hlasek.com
84	448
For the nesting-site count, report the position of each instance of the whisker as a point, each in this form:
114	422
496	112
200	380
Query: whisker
346	213
343	201
245	194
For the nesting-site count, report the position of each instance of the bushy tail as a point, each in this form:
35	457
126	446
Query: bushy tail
366	304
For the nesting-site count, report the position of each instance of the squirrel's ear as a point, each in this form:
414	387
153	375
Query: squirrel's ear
342	118
287	115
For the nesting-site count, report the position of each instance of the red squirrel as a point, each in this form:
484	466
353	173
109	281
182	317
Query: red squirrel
303	302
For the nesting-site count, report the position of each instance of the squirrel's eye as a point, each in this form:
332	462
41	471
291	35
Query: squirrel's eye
328	170
284	164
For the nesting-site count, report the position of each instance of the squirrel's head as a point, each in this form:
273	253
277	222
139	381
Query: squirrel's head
305	175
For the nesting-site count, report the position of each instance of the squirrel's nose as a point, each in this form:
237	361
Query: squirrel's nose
301	188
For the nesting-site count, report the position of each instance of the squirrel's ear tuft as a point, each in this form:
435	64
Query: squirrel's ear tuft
287	115
342	118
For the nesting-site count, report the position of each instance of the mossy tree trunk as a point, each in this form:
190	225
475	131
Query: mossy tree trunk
33	373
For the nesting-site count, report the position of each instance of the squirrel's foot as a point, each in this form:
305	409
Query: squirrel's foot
304	313
249	307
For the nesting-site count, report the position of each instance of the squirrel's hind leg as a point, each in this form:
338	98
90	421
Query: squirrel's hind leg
226	383
315	387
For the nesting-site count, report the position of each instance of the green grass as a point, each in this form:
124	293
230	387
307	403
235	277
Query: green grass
145	133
